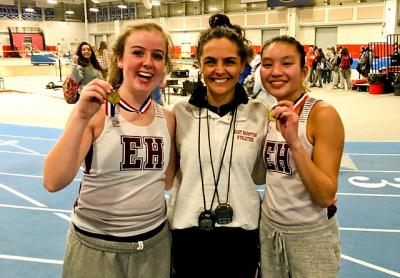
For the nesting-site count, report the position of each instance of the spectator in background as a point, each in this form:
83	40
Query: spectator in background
345	69
335	65
364	65
85	66
329	55
247	68
256	61
319	65
104	58
395	57
255	89
309	63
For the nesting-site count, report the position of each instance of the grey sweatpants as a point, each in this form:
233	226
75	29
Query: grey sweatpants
311	251
87	257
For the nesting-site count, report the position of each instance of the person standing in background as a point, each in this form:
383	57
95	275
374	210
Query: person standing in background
299	232
335	64
319	65
85	66
309	62
345	63
125	144
104	58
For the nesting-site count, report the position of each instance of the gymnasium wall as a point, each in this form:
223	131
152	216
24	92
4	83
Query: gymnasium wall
356	25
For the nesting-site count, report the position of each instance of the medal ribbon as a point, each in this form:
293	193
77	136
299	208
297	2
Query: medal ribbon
110	108
300	101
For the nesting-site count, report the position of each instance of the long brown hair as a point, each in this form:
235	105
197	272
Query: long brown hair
82	61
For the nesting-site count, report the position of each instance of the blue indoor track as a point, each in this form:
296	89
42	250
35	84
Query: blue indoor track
34	222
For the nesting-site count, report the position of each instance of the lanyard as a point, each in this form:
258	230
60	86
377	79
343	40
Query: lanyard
216	179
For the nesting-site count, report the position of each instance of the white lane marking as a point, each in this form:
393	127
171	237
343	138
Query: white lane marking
23	153
358	194
30	259
27	137
21	175
29	199
373	154
370	171
370	230
22	196
14	144
35	208
63	216
369	195
347	162
369	265
27	176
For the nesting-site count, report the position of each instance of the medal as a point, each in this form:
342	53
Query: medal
271	115
271	118
296	104
224	214
113	97
207	220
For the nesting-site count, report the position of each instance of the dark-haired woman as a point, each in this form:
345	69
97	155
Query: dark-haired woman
299	232
85	66
214	205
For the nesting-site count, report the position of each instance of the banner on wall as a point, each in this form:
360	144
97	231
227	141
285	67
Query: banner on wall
48	14
3	11
12	11
129	13
35	15
289	3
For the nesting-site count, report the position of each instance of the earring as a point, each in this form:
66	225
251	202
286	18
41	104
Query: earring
306	89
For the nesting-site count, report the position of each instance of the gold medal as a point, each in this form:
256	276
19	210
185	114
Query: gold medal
271	116
113	97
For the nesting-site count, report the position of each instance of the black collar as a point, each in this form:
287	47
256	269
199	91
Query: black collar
198	99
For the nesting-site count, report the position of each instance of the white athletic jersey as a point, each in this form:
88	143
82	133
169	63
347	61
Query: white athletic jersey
247	169
123	194
286	199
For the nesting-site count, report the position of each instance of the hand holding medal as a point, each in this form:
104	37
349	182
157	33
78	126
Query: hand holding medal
113	97
272	115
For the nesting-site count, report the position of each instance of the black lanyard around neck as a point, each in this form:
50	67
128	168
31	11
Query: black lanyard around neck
216	179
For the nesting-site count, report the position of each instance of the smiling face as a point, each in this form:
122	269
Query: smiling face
143	60
282	73
220	65
86	51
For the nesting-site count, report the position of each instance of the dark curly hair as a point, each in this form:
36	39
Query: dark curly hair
84	62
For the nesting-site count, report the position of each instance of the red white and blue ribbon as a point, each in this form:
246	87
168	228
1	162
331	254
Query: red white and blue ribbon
110	108
300	101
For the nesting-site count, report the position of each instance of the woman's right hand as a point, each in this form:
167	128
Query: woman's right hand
92	97
75	58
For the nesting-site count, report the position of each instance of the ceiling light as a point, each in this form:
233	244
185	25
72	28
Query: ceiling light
95	10
29	10
155	2
122	6
95	1
52	1
69	12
